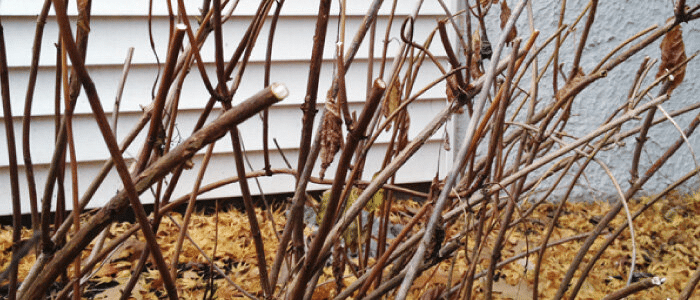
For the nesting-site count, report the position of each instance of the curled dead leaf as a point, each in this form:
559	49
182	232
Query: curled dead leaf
487	3
403	131
338	267
331	135
453	91
475	67
570	83
189	164
433	293
393	100
446	142
451	88
672	54
505	14
376	201
321	209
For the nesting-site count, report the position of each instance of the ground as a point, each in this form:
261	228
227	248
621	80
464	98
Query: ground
667	246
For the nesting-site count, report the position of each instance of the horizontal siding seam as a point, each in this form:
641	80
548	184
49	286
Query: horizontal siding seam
273	152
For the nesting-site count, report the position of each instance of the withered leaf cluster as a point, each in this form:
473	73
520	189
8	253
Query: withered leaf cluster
672	55
331	135
505	14
475	68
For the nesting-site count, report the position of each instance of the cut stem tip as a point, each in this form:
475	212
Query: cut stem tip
279	90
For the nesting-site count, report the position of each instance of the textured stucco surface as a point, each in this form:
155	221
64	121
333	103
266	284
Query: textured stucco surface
615	22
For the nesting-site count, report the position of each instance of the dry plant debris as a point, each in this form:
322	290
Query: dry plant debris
668	235
672	55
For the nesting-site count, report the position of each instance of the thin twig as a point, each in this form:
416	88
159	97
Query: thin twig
353	138
687	291
266	82
250	212
152	174
156	125
584	36
190	210
12	158
296	210
636	287
623	44
495	140
309	106
79	68
680	131
636	186
73	166
120	89
212	263
623	200
27	114
451	179
557	47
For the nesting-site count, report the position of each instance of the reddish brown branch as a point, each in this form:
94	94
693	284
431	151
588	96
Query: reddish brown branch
103	124
636	287
266	82
156	126
148	177
12	158
27	115
357	133
309	106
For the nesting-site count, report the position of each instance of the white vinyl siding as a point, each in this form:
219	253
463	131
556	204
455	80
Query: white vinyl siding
118	25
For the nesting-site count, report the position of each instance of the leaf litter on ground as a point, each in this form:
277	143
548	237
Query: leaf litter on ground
668	237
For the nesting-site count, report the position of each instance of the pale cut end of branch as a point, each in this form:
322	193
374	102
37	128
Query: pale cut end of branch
181	26
658	280
379	83
279	90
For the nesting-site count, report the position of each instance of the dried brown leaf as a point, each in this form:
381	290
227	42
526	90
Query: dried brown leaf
338	267
475	67
393	100
403	136
505	14
571	83
450	88
672	54
131	249
433	293
487	3
331	135
376	201
519	291
351	237
667	235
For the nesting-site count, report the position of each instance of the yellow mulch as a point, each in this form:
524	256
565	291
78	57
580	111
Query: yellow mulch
667	237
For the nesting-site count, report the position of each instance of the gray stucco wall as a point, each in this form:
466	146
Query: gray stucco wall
615	22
